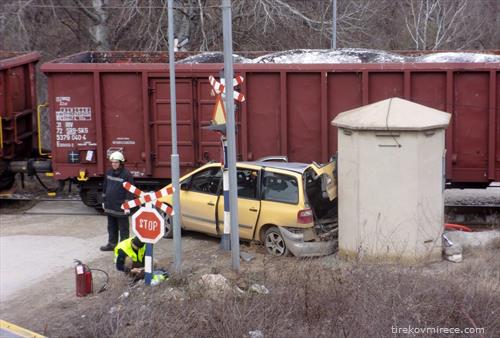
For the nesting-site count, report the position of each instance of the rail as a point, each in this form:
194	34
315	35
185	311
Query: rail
487	215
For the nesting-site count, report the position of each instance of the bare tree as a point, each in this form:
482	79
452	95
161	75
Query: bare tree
437	24
98	16
61	27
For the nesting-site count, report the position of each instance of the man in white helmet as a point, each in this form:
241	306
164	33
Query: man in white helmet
113	196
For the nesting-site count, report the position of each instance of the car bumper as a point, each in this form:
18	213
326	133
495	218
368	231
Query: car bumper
300	248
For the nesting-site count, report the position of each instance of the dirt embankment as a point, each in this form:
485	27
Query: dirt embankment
313	297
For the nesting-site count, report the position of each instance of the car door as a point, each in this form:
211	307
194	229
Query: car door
248	202
199	200
327	174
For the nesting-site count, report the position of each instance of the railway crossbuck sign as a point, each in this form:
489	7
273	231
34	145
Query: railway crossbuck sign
220	89
147	223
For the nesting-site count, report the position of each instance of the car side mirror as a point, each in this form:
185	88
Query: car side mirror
185	186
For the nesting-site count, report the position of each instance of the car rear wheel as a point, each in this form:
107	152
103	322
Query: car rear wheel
274	242
169	227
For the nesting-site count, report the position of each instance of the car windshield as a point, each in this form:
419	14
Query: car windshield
280	188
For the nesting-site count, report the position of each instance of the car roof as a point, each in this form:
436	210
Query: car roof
291	166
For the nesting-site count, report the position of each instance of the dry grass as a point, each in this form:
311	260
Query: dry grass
308	298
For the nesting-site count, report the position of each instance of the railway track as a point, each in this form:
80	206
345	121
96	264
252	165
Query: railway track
36	193
38	197
487	215
475	215
61	206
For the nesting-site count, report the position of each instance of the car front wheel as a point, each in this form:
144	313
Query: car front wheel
169	227
274	242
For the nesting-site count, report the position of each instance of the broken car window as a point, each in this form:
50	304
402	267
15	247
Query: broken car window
247	183
206	181
280	188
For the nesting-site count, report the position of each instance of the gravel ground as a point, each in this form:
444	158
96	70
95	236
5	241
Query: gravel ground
37	277
489	196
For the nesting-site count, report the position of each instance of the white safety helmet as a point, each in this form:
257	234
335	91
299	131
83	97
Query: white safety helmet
117	156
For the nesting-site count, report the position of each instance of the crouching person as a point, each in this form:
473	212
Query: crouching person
129	257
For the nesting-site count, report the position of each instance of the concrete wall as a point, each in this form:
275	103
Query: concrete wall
391	197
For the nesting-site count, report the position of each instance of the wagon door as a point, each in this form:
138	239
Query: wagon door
161	135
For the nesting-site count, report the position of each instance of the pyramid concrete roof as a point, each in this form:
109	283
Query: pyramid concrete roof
392	114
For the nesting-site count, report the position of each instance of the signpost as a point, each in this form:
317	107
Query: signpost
147	223
227	38
218	124
174	156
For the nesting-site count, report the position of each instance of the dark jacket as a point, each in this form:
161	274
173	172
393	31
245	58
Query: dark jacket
113	192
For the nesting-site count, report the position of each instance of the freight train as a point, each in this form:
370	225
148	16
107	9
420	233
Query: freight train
20	146
100	102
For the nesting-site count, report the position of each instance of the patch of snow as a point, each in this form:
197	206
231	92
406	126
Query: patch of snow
457	57
212	57
344	55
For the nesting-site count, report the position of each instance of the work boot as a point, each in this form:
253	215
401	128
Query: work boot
108	247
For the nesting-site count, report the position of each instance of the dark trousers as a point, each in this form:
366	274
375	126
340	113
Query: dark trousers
115	224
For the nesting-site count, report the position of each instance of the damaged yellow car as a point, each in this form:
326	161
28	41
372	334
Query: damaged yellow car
289	207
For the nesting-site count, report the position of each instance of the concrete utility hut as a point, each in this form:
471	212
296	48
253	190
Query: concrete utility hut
391	180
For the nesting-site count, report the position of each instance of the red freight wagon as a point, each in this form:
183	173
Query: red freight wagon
17	104
101	102
17	110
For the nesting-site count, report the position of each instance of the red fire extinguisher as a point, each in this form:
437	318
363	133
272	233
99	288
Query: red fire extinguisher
83	276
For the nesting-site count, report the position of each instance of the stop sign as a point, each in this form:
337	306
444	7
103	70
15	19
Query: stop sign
148	225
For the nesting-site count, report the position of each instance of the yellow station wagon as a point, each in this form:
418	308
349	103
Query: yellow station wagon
290	207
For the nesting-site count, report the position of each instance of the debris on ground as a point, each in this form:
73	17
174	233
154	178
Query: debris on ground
452	251
246	256
124	295
257	288
215	282
173	294
255	334
454	258
114	309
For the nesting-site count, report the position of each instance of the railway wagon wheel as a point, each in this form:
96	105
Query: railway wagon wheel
7	177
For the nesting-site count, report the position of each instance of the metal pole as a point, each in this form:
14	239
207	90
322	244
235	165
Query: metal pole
231	132
225	242
334	24
174	157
